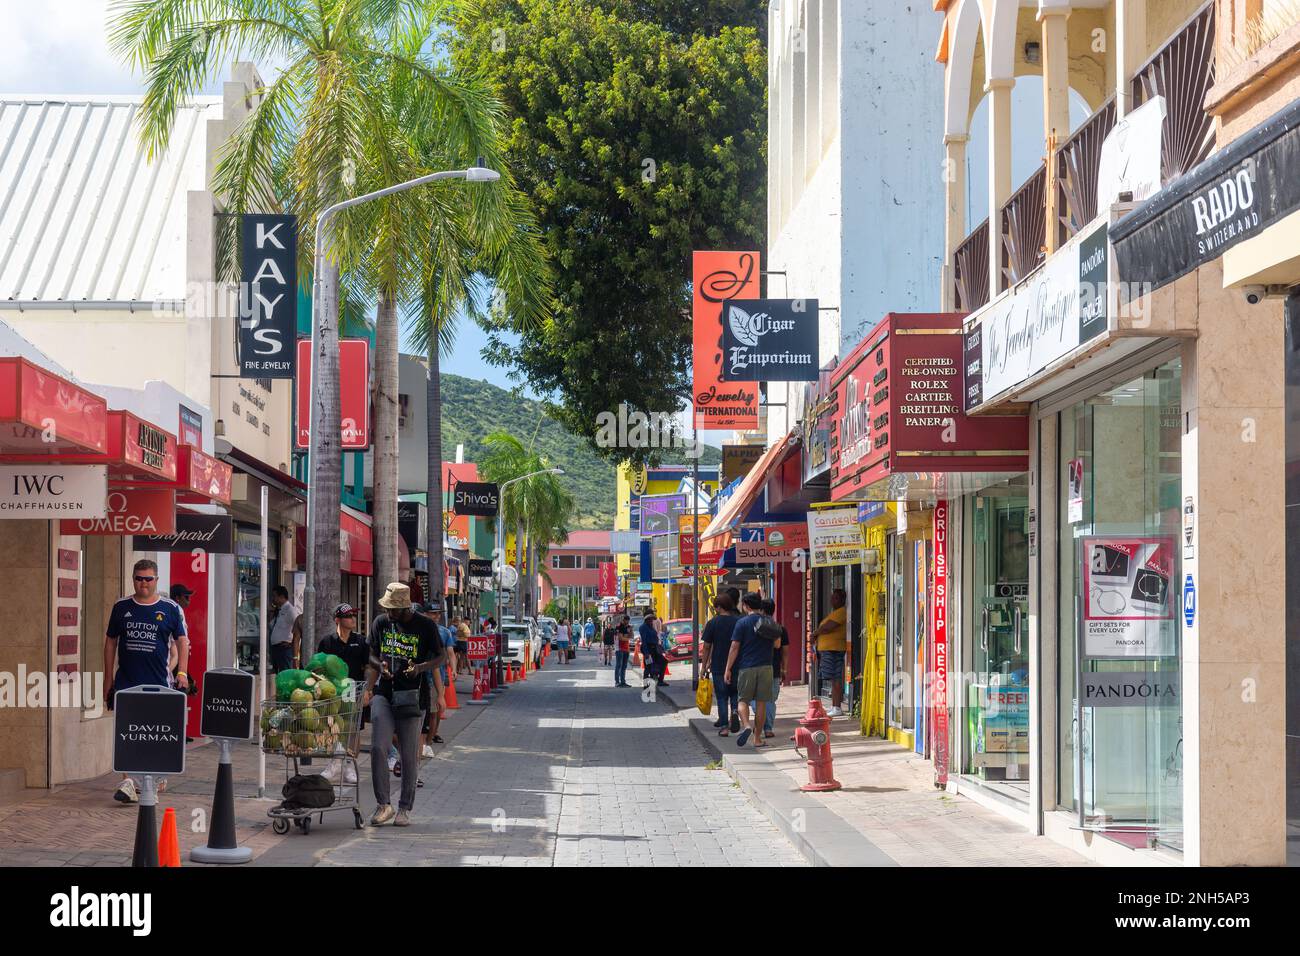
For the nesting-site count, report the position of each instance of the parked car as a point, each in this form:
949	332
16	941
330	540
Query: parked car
515	635
678	639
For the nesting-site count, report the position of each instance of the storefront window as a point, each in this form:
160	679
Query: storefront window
1120	741
248	597
997	698
900	709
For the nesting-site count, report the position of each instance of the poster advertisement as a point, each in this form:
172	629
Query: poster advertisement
1128	609
717	276
1076	491
834	538
779	543
661	514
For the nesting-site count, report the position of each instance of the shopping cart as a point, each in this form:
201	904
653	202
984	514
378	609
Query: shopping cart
302	732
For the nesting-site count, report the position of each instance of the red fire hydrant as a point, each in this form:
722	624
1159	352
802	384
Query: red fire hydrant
814	735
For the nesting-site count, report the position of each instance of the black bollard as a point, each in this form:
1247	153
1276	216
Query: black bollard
222	845
146	828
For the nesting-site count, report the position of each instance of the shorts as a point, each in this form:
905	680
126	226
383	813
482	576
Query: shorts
830	665
609	642
755	683
462	647
281	656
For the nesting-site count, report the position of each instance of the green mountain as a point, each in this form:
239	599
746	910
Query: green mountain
473	409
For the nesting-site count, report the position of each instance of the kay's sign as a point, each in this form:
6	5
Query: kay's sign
268	300
45	491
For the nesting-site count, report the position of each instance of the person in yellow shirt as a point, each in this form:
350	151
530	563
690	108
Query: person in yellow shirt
829	640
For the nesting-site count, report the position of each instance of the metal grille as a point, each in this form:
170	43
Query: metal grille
1077	162
1182	71
1024	229
970	269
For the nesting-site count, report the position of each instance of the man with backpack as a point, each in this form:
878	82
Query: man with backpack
749	666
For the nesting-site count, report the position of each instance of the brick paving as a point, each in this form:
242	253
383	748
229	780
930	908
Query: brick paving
888	796
567	769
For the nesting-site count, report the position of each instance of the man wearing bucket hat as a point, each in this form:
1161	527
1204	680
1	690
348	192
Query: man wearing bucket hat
404	646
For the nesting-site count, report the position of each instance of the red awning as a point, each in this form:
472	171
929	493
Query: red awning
718	535
356	543
139	452
45	416
201	478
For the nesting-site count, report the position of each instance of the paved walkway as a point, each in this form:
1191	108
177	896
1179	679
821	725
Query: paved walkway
888	812
567	769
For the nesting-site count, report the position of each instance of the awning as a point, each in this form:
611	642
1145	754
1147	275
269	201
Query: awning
718	535
138	452
356	543
46	415
200	478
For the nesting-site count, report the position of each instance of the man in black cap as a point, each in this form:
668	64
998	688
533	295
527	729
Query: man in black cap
179	657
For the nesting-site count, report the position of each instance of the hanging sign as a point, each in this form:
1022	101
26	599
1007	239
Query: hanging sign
478	498
1127	604
213	534
354	394
129	511
834	537
770	340
268	300
737	460
607	575
716	277
480	568
53	491
779	543
660	514
939	630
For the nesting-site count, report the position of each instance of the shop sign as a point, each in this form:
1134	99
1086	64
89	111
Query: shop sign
770	340
1130	155
660	514
778	543
1232	196
855	419
455	530
149	446
268	301
354	394
480	568
665	557
1046	317
481	647
227	704
213	534
737	460
715	278
149	730
973	367
625	542
870	510
1127	599
1130	688
53	491
607	575
413	525
129	511
479	498
833	537
939	607
1189	601
190	430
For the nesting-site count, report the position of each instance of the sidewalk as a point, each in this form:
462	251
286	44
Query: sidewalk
888	812
81	824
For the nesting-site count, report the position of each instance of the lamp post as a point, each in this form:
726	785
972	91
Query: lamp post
500	557
475	174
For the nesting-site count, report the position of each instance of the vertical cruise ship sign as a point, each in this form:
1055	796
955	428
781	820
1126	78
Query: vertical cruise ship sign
715	278
939	632
268	296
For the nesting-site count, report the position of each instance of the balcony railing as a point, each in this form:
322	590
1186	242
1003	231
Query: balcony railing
1182	71
970	270
1078	161
1024	229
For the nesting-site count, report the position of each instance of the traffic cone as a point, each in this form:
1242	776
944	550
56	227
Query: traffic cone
169	846
510	672
451	702
666	674
636	655
523	670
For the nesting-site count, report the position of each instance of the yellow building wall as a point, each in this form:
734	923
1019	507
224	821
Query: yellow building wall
876	617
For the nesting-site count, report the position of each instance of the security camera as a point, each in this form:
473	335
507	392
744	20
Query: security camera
1254	294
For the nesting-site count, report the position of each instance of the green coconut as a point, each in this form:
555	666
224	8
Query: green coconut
325	690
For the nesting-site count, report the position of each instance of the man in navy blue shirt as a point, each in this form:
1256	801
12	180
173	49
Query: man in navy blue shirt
749	666
141	629
651	651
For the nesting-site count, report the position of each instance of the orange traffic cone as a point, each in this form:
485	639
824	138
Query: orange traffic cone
636	655
666	674
510	672
451	702
523	670
169	846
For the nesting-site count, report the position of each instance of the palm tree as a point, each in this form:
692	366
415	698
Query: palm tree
322	126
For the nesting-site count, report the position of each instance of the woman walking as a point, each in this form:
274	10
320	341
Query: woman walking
562	640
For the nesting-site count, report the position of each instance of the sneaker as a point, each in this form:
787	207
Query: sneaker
382	815
126	792
392	762
834	712
734	725
349	772
427	751
403	818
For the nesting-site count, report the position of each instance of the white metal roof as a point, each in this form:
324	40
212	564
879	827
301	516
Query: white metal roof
83	215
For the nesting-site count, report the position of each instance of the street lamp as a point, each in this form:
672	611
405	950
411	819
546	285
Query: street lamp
474	174
500	557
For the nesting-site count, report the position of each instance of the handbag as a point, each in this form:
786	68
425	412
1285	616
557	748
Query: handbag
704	696
406	704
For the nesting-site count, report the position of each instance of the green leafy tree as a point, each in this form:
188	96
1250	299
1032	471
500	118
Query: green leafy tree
638	132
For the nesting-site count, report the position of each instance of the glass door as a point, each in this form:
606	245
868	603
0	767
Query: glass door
997	699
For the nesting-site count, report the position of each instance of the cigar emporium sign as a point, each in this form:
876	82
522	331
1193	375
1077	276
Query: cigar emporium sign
715	278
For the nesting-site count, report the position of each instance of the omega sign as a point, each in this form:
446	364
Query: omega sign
130	511
477	498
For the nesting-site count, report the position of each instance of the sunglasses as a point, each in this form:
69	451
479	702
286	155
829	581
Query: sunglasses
141	577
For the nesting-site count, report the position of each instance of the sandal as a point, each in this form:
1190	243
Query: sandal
437	739
768	735
724	732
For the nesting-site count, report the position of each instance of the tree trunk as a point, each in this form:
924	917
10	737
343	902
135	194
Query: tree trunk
326	461
385	443
433	458
521	588
532	574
